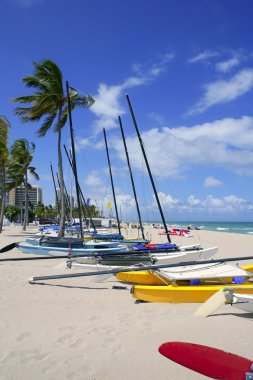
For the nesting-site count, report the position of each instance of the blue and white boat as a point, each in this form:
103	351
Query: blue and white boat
87	248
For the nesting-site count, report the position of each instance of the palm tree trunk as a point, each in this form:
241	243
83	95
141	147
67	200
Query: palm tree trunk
21	212
3	198
26	203
61	180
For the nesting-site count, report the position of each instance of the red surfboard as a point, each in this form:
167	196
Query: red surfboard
208	361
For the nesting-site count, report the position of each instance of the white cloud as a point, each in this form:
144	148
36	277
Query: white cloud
212	202
93	180
156	117
224	91
107	105
167	199
227	65
204	56
212	182
227	205
225	143
193	201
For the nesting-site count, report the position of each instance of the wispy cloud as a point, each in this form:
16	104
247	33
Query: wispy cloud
157	118
223	60
205	56
212	182
227	65
108	106
224	91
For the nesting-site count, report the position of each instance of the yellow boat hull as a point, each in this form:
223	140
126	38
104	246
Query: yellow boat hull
151	278
183	294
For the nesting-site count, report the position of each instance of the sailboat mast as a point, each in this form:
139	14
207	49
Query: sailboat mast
56	196
67	204
80	191
74	160
131	177
113	192
148	168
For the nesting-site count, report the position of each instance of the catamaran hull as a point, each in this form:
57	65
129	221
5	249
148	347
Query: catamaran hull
183	294
58	251
134	259
184	256
243	302
150	278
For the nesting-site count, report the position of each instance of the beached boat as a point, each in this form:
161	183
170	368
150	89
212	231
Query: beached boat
71	248
69	242
141	258
166	276
182	294
185	283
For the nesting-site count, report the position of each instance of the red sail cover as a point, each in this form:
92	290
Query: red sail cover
208	361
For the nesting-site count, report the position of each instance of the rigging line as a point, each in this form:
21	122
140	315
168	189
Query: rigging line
83	156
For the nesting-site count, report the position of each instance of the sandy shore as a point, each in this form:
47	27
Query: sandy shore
76	329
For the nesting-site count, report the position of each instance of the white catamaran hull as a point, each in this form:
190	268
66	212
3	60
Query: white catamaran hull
171	258
243	302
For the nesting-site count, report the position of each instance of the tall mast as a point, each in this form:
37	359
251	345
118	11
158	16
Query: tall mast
67	203
56	196
74	160
70	160
131	177
110	170
148	168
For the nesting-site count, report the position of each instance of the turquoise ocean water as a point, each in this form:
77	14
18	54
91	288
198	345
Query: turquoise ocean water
230	227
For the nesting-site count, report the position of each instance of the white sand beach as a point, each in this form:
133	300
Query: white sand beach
77	329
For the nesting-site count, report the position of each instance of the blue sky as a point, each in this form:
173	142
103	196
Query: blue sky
188	69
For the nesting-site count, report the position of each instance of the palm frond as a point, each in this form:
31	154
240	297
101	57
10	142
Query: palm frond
33	81
47	124
84	101
33	173
25	99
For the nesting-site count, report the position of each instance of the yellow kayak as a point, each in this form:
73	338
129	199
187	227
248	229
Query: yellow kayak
153	278
182	294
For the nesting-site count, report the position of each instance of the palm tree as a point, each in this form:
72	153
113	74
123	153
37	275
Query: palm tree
3	161
21	157
49	103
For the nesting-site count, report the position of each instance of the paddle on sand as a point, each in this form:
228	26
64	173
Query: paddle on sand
8	247
212	304
208	361
215	302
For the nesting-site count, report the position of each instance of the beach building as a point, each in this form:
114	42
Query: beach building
104	222
16	196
